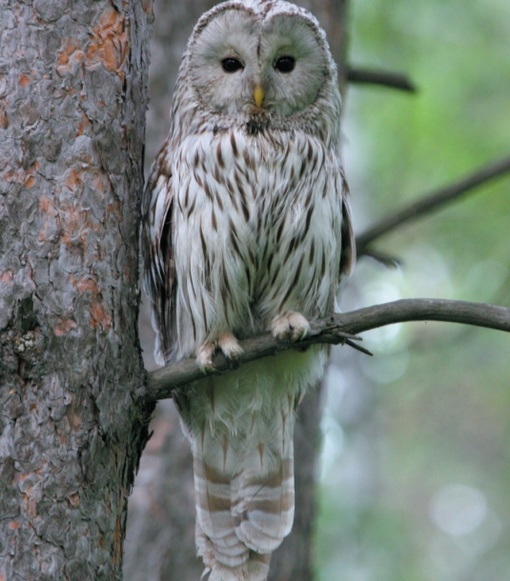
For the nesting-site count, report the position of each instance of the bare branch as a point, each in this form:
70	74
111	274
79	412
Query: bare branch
432	202
338	328
387	79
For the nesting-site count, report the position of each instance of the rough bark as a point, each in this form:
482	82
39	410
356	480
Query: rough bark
72	107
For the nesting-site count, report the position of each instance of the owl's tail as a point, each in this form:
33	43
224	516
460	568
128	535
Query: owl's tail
244	484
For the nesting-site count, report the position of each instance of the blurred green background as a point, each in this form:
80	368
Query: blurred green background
415	469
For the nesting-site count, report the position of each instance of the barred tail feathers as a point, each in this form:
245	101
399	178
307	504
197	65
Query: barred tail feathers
244	486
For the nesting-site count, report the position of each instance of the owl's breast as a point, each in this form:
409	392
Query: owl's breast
257	225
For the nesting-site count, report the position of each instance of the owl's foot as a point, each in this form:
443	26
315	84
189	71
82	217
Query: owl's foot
226	343
291	327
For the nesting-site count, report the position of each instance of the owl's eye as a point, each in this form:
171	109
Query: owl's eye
285	64
231	65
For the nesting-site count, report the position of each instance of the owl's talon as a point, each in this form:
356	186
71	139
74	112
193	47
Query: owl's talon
204	356
291	327
229	345
226	343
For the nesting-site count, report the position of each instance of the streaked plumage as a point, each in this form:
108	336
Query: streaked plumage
246	228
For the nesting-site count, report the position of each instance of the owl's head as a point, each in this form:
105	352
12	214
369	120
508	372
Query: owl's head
260	57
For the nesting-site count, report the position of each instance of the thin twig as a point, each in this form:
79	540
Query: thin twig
432	202
387	79
338	328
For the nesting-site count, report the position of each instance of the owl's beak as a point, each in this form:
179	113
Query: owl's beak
258	95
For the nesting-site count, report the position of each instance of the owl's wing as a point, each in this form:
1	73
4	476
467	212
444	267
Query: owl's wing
158	256
348	254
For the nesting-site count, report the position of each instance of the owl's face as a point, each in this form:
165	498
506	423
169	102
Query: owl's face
246	61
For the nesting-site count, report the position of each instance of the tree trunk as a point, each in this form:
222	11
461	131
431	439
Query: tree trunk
72	108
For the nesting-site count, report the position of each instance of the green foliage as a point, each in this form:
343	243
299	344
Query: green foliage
416	465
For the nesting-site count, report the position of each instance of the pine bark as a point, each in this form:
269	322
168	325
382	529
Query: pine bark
72	108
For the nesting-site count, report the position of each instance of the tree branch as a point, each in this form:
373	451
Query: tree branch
431	202
338	328
386	79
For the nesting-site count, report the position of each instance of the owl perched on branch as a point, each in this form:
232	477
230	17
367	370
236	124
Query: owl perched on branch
246	228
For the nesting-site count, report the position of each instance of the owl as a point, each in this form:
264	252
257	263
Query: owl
245	229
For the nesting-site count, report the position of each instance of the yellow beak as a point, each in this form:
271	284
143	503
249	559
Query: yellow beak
258	95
